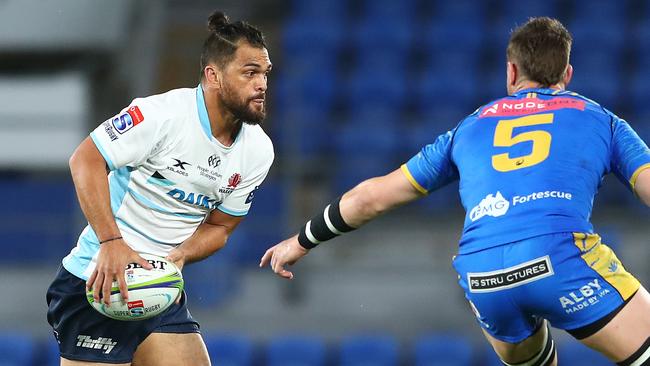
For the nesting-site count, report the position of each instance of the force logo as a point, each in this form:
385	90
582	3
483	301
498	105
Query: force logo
100	343
585	296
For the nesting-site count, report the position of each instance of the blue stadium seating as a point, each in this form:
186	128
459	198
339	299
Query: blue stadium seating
365	350
316	9
441	349
296	350
16	349
303	34
405	10
462	11
229	349
376	33
529	8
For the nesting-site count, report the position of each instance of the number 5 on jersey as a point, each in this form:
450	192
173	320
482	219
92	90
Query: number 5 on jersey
503	137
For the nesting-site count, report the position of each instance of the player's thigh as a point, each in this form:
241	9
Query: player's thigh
172	349
627	331
529	348
66	362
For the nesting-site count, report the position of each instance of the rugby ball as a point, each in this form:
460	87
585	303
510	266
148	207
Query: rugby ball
150	291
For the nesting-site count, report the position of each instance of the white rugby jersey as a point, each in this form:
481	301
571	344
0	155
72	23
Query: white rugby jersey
168	172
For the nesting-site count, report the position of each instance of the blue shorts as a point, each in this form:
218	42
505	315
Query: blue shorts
84	334
570	279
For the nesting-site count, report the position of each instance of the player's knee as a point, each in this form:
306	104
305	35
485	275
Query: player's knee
544	357
639	358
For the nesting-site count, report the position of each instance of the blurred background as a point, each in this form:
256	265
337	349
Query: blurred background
358	87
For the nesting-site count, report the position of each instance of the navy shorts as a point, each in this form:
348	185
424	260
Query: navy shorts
86	335
572	280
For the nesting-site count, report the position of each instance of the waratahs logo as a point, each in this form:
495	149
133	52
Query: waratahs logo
234	180
491	205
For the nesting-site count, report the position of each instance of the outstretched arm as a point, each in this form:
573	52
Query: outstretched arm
363	203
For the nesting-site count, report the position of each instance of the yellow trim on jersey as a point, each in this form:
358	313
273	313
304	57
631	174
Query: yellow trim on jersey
556	91
637	172
415	184
533	95
602	259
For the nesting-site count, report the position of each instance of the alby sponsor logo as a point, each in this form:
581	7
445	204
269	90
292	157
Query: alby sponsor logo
587	295
496	205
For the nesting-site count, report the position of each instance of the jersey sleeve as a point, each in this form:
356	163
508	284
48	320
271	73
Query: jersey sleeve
630	155
432	167
131	136
239	201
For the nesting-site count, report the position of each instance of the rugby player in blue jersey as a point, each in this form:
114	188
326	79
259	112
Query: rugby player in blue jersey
528	166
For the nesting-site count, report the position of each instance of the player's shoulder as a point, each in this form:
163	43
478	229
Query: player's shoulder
258	144
168	101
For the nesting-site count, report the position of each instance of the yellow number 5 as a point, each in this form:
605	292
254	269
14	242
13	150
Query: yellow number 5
503	138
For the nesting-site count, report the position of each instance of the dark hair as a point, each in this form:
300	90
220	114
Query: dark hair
222	43
541	49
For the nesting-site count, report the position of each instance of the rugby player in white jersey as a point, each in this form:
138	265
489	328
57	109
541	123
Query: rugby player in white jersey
184	166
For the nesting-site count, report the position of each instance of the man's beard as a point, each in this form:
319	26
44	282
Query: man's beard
243	110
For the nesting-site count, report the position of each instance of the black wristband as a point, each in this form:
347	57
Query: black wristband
111	239
324	226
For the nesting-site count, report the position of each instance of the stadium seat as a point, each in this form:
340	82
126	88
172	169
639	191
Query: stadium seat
615	11
573	352
442	350
445	35
376	87
303	34
296	351
442	89
314	90
350	172
51	356
212	280
377	33
229	349
405	10
16	349
461	11
529	8
316	9
369	350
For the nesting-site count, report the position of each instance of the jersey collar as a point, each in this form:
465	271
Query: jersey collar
203	112
205	120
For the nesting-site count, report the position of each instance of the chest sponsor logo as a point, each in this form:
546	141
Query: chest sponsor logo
211	174
510	277
101	343
196	199
496	205
517	107
179	167
214	161
233	182
587	295
491	205
127	120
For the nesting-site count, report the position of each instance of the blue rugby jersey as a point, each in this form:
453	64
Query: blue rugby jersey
529	164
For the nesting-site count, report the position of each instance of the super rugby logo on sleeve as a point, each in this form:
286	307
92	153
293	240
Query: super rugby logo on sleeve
127	120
